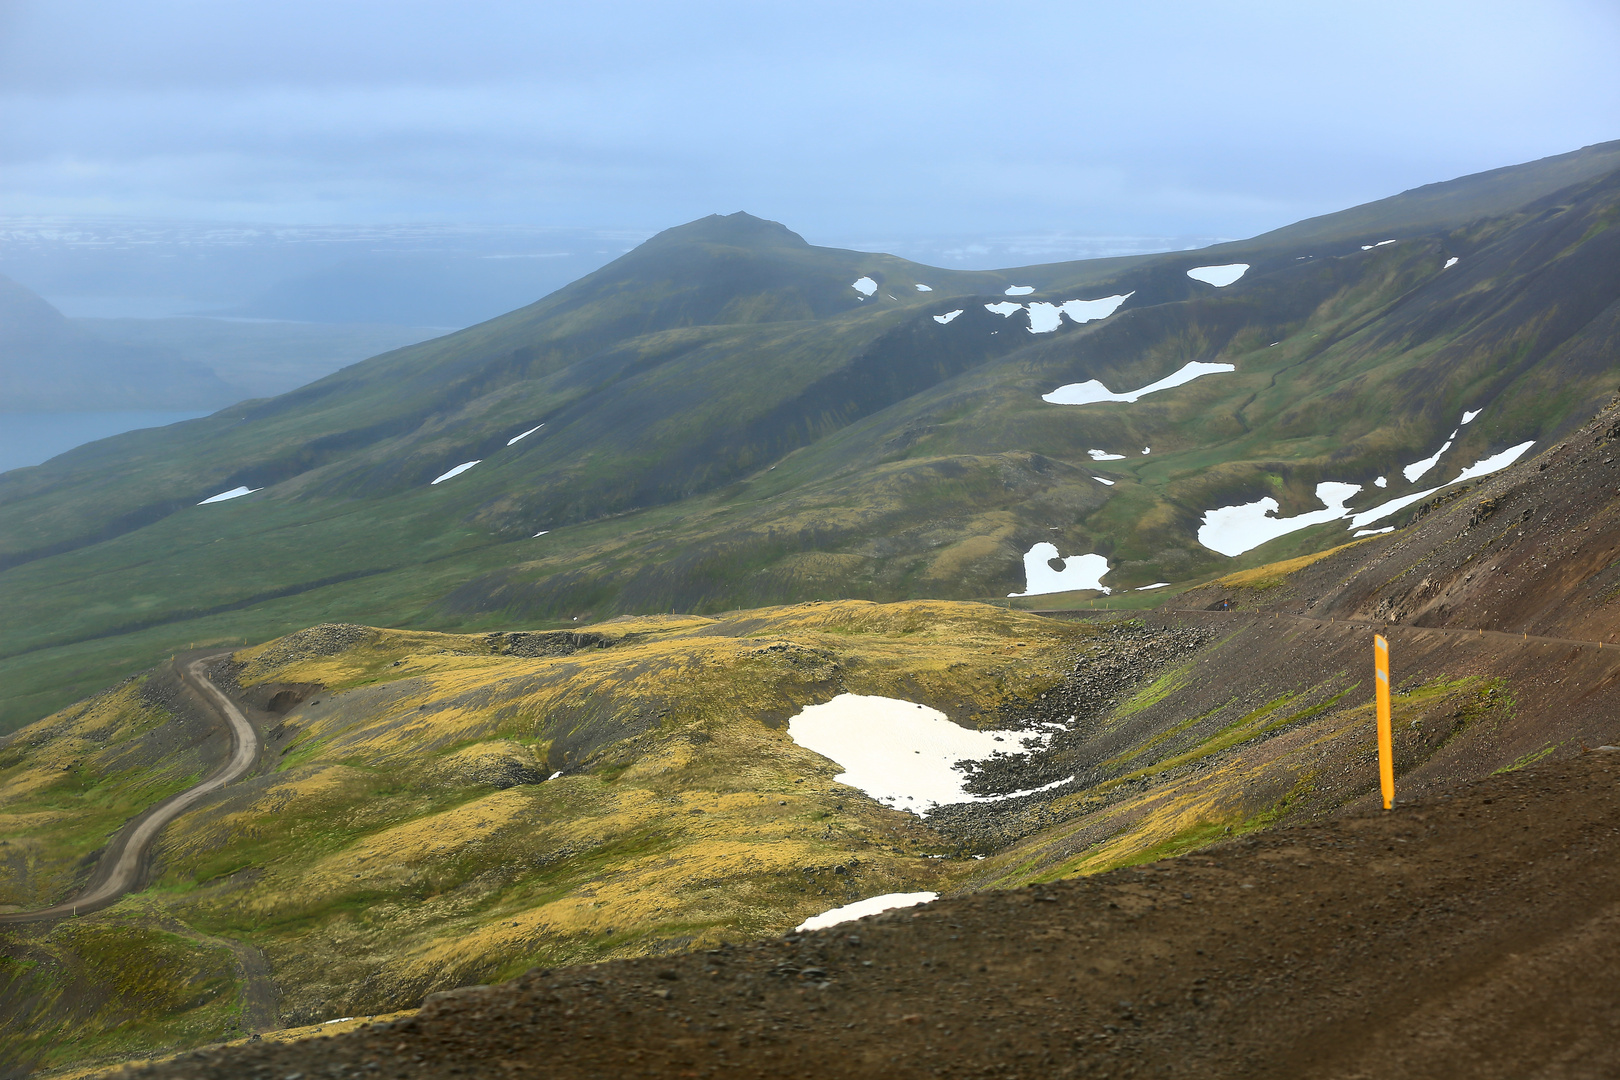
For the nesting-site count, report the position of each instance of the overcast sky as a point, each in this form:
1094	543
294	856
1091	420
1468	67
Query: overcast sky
839	119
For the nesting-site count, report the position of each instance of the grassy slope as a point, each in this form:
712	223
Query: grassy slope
754	446
379	859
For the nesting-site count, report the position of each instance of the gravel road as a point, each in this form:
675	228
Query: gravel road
119	870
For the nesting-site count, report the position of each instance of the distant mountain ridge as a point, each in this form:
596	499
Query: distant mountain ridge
48	364
729	416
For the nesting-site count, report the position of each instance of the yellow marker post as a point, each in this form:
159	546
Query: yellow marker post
1386	752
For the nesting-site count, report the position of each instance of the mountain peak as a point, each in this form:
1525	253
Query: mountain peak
735	230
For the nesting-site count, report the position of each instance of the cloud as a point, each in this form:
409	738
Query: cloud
943	116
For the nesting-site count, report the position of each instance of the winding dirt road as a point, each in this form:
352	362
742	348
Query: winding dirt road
120	867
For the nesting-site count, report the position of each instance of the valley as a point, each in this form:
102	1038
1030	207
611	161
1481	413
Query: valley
587	651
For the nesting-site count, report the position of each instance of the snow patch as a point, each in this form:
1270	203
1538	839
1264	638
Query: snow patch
457	471
1371	532
1079	572
1044	317
1019	290
525	435
947	317
1482	467
539	534
1382	481
865	286
923	288
225	496
1494	463
1450	263
1232	530
1418	468
1004	308
1467	415
1219	276
899	752
1092	390
1146	450
1105	482
1103	455
860	909
1155	585
1084	311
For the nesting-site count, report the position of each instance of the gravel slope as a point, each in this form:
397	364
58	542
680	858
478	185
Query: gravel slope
1469	935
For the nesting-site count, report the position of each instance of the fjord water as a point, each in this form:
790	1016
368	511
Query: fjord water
32	438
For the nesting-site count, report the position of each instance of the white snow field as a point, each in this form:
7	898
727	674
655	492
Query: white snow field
1084	311
865	285
1079	572
900	753
1019	290
1155	585
1044	318
924	288
226	496
1219	276
1005	308
860	909
1482	467
457	471
1092	390
1104	481
539	534
1418	468
1359	533
525	434
1232	530
947	317
1381	243
1103	455
1450	263
1467	415
1382	481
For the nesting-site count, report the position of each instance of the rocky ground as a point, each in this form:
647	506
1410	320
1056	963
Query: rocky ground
1468	935
1066	718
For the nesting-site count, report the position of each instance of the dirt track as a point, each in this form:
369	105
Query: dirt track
1473	935
119	869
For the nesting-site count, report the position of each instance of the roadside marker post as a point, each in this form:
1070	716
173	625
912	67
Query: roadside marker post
1386	753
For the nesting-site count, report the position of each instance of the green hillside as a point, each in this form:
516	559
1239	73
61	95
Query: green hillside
729	421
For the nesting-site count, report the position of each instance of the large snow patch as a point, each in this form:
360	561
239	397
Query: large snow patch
226	496
1219	276
457	471
1079	571
898	752
860	909
1092	390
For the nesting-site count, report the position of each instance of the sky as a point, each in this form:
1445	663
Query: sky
842	120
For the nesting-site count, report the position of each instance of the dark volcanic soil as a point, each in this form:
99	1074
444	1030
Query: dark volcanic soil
1472	935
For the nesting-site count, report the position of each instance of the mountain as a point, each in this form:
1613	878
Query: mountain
729	416
50	364
432	811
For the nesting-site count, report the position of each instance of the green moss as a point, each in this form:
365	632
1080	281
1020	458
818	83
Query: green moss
1526	759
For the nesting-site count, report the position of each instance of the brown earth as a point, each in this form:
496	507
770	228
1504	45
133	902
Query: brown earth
1469	935
1471	932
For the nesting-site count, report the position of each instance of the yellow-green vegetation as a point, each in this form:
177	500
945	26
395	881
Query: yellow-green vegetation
445	809
1272	574
407	832
1205	779
68	783
113	988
